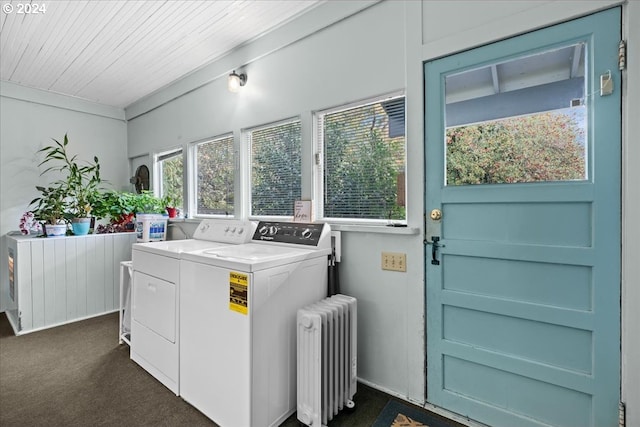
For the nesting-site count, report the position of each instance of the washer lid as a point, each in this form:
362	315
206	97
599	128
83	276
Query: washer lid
174	248
253	256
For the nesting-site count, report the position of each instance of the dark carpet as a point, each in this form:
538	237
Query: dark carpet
78	375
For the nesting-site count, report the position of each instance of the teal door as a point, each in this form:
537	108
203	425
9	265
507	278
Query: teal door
523	149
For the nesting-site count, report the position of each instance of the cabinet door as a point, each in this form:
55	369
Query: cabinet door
154	304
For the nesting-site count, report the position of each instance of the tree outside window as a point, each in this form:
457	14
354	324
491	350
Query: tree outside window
275	169
364	161
215	177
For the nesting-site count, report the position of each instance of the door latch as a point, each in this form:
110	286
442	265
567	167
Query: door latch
434	249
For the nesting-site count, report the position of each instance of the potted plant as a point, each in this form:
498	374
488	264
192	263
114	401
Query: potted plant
119	207
50	209
147	203
79	184
170	205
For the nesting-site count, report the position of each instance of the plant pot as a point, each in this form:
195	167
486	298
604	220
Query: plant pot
80	226
55	230
172	212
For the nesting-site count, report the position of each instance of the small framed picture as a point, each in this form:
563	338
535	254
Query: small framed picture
302	211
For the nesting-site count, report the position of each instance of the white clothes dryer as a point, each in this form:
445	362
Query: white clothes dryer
155	310
238	310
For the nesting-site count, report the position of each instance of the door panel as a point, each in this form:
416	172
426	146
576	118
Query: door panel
523	317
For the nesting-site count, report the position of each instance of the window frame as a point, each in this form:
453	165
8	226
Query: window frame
248	172
319	173
193	176
158	158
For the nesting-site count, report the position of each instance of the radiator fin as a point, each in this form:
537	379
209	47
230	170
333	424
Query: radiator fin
327	359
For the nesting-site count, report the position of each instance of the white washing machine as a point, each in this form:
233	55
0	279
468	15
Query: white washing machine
155	315
238	310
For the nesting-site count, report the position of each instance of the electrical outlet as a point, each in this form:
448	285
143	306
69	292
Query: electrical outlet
394	261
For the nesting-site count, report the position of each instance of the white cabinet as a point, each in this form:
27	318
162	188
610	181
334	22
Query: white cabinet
58	280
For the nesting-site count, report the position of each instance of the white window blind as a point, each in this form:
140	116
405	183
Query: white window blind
363	149
215	177
275	168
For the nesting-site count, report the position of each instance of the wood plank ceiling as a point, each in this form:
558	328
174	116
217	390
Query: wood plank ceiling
115	52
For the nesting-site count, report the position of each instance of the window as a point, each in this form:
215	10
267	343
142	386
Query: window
170	168
275	168
215	176
363	173
523	120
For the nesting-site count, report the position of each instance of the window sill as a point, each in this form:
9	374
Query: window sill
358	228
381	229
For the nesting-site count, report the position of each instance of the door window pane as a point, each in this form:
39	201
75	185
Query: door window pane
518	121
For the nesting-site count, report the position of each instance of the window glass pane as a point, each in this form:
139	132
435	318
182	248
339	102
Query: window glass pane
364	161
275	169
215	177
171	178
524	120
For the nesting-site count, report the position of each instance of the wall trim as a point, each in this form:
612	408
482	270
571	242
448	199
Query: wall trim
53	99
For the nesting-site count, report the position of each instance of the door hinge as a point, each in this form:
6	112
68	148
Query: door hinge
622	55
621	414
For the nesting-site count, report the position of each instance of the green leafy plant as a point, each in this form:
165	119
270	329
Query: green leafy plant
168	201
146	202
80	182
50	207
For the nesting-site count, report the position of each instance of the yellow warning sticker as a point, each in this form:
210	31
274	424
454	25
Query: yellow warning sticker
239	292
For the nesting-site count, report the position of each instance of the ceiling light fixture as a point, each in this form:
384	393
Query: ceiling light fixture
236	81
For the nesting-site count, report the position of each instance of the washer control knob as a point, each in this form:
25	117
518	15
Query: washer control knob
306	233
273	230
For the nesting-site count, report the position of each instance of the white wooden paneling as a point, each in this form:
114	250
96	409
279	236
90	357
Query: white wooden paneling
60	280
60	276
71	283
49	282
109	277
81	289
37	285
116	52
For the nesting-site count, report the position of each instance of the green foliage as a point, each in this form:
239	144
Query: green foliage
216	177
275	175
541	147
362	167
50	206
70	196
146	202
172	179
121	206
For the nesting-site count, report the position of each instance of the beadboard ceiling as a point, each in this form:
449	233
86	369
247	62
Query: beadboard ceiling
116	52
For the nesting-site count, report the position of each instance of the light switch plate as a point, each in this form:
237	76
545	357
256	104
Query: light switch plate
394	261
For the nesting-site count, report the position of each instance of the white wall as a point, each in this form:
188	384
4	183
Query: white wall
28	120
